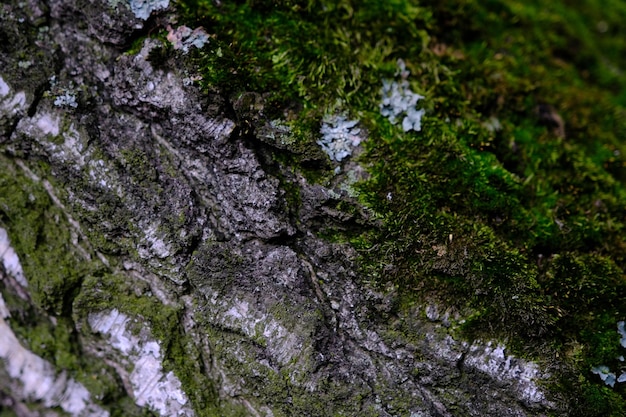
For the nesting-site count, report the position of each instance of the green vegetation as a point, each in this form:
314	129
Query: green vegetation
511	200
41	234
40	229
65	285
323	56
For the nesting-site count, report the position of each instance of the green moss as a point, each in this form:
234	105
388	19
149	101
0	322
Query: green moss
322	53
274	385
267	47
602	400
40	234
523	220
139	167
7	413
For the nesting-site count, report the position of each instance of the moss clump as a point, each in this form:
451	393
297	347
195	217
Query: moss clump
41	236
275	387
521	218
313	50
307	58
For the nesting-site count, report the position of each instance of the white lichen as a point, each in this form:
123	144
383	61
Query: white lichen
4	88
152	386
39	379
339	137
10	260
47	123
400	103
492	359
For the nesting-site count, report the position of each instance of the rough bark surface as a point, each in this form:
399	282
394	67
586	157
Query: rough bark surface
180	277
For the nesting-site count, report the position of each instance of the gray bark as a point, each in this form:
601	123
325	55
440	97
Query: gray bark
190	278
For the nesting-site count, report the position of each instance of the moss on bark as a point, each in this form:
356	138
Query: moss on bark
510	200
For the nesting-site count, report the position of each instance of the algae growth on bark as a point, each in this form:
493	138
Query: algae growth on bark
312	208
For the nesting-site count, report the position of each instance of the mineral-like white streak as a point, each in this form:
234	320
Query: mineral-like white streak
492	360
38	378
45	124
153	387
48	124
156	243
10	260
4	311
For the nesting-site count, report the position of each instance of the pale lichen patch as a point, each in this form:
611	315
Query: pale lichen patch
63	141
283	344
151	385
48	124
39	380
156	244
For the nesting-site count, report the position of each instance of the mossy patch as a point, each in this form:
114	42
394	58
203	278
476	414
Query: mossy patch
66	286
274	386
41	236
510	201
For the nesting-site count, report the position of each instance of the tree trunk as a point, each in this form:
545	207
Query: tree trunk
159	259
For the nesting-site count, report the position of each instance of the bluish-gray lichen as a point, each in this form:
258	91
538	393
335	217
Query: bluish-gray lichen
339	137
66	99
603	371
400	103
142	9
605	374
63	97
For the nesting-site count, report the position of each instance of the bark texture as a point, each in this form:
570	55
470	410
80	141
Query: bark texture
158	259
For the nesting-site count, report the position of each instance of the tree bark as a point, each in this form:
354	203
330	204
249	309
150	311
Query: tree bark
157	258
